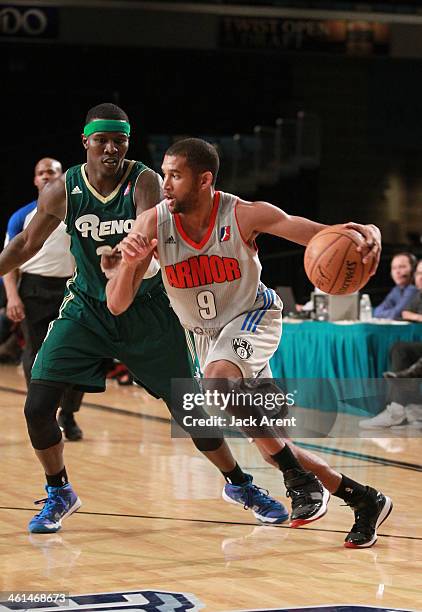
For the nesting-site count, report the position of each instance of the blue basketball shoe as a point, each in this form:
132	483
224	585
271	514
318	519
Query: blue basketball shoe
60	503
265	508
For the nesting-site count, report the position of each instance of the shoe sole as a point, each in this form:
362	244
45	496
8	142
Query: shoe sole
319	515
74	438
384	514
412	426
262	519
381	426
71	510
71	437
267	521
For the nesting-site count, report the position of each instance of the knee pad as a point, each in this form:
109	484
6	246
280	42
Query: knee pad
40	410
209	442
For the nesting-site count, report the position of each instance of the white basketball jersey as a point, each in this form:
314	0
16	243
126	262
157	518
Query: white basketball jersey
212	282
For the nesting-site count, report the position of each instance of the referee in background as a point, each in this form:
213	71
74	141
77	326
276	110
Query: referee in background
35	292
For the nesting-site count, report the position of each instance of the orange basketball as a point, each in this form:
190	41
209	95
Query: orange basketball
332	262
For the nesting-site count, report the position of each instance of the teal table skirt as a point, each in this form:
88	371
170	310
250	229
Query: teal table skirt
322	350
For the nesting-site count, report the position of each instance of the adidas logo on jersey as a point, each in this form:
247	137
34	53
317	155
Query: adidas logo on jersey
170	240
76	190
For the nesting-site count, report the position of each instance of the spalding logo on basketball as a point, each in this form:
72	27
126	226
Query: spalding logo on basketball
333	263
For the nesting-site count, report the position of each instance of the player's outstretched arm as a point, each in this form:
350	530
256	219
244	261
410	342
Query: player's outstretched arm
137	250
50	211
261	217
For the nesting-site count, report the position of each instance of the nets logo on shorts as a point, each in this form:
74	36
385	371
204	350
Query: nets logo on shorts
242	348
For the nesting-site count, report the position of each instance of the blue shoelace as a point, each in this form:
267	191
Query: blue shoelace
259	495
49	503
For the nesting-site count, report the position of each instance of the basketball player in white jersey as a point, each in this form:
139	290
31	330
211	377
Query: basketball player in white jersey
204	240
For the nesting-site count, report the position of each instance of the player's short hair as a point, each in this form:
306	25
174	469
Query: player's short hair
201	156
412	258
107	110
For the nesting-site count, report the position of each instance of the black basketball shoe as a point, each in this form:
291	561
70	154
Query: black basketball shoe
370	512
309	497
69	427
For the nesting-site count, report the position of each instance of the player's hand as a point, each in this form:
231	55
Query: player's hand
110	261
371	250
136	247
15	310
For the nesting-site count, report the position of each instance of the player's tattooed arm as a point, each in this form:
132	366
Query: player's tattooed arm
137	250
148	191
50	211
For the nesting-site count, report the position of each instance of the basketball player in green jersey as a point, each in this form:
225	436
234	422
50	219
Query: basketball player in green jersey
99	201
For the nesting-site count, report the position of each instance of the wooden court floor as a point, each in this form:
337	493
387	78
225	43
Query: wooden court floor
152	517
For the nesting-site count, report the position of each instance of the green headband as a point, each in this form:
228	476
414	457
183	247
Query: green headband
107	125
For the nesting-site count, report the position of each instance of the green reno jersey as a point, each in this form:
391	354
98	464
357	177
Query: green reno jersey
147	337
97	223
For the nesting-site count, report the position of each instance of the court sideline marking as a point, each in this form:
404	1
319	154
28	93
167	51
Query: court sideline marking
214	522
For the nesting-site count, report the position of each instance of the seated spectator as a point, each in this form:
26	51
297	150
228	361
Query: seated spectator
402	268
405	399
413	310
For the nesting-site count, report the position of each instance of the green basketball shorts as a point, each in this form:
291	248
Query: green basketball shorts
147	338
